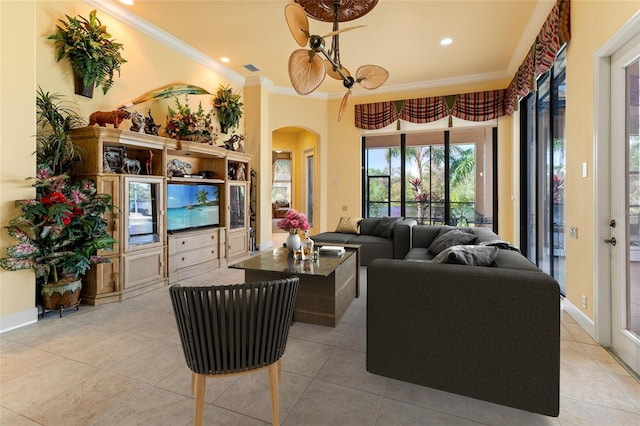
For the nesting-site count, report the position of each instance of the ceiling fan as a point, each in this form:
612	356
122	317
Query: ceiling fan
307	69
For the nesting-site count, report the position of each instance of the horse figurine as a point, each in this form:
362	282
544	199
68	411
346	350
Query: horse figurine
130	166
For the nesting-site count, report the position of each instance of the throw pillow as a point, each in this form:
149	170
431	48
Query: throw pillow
349	225
450	238
468	255
385	225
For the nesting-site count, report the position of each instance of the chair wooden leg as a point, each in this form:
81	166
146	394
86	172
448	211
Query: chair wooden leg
279	370
200	382
193	384
273	385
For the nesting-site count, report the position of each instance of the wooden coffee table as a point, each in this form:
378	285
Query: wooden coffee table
326	287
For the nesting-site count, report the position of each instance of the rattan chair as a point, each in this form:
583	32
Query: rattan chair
234	329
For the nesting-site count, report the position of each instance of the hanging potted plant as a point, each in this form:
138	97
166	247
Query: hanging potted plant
229	108
59	234
93	55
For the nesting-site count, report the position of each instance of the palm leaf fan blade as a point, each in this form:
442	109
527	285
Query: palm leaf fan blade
371	76
306	71
298	22
344	103
167	91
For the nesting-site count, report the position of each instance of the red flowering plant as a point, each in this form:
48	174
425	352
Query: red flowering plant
60	231
293	222
424	199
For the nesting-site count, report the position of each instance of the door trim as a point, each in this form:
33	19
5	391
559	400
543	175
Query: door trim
601	175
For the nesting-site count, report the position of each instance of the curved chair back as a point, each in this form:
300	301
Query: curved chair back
234	328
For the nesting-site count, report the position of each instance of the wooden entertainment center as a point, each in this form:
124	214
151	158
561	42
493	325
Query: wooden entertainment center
134	169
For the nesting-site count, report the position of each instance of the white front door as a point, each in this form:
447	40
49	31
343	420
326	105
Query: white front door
624	239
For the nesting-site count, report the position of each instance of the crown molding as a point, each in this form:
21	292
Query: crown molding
145	27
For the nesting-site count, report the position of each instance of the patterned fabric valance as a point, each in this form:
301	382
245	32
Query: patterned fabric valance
555	32
478	106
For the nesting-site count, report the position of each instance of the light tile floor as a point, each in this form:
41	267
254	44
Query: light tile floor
121	364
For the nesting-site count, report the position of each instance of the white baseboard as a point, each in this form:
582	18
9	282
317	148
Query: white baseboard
19	319
585	322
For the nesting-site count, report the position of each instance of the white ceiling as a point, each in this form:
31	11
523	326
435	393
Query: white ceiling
490	38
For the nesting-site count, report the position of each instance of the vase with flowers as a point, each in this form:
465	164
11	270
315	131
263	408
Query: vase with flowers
59	235
293	222
423	199
186	124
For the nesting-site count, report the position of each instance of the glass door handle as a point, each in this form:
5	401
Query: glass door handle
612	241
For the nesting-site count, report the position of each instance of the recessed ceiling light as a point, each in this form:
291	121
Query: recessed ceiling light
127	2
225	59
446	41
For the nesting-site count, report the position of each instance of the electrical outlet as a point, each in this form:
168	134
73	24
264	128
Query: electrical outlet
584	301
573	232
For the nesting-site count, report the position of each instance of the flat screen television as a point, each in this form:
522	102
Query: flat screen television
192	206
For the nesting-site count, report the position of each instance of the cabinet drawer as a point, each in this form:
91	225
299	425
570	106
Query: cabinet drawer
189	242
194	257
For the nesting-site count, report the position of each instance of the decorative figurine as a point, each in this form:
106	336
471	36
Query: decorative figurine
240	173
231	171
130	165
137	122
149	162
240	147
115	117
150	127
177	167
228	144
105	164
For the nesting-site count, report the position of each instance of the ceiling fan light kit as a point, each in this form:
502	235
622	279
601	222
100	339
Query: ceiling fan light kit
307	69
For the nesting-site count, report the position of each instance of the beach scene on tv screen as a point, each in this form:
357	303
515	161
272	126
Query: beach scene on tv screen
192	206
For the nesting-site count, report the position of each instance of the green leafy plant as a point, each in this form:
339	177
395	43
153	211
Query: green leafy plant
93	55
60	231
183	123
229	108
55	118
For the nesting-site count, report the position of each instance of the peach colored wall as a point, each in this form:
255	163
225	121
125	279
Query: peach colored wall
592	24
24	42
17	143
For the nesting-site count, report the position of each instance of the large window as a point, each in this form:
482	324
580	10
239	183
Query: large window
440	177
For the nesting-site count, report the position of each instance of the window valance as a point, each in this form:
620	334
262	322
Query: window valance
478	106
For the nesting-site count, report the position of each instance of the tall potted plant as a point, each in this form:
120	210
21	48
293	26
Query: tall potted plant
229	108
59	234
55	118
93	55
60	231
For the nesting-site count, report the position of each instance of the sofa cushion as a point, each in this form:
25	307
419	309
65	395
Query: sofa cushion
333	237
373	247
385	225
349	225
450	237
419	254
510	259
468	255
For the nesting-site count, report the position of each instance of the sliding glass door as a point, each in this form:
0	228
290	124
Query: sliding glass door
543	169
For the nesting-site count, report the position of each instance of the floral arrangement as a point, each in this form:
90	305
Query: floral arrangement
293	222
183	123
423	198
228	106
59	232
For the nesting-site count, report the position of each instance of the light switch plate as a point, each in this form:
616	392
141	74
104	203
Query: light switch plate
584	169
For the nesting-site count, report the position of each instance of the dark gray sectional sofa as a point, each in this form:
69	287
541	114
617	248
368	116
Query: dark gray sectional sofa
378	238
486	332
